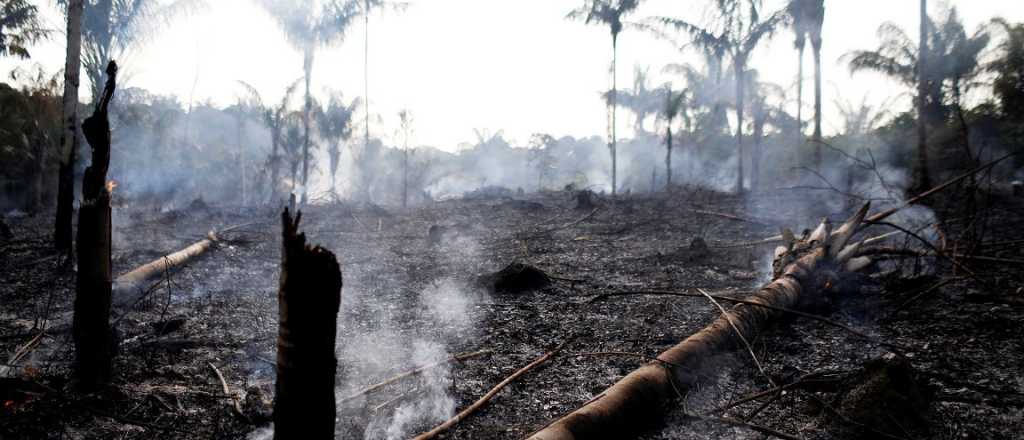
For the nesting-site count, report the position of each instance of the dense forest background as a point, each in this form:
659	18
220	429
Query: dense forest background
169	152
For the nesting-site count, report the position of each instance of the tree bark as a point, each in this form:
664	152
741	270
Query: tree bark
308	67
816	45
94	341
69	135
308	301
756	153
800	44
637	400
921	176
614	103
740	67
130	286
668	156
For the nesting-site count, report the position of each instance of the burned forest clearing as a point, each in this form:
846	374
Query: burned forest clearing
484	219
196	357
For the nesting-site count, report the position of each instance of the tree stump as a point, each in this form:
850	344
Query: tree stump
94	340
308	301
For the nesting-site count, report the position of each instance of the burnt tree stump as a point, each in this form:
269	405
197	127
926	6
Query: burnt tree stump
308	301
94	339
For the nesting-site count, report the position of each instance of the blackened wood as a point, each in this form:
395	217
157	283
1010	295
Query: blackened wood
94	342
308	302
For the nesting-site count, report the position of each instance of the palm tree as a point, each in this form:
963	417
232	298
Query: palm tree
922	180
111	27
275	118
365	8
674	106
69	135
249	105
1008	85
797	10
20	27
741	27
642	100
815	18
611	13
405	126
706	101
955	58
308	26
335	122
761	113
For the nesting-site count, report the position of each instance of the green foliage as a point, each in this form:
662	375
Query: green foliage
20	28
1008	86
953	60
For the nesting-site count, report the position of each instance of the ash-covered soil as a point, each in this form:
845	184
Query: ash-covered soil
412	297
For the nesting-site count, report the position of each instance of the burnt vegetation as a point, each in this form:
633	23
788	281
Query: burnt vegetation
726	261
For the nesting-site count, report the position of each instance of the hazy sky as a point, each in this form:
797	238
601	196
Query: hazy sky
512	65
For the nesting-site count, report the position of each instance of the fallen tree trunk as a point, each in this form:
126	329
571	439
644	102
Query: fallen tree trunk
132	285
308	301
804	271
94	340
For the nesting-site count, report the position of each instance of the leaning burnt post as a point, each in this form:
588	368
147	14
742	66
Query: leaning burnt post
308	302
94	342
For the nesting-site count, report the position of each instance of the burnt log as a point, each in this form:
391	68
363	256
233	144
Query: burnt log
804	272
130	286
94	340
308	301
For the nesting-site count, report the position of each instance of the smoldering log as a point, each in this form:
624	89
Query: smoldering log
308	301
804	271
129	286
94	341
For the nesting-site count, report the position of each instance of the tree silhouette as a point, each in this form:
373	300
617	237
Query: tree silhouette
738	29
951	59
69	136
610	13
20	28
111	27
1008	85
674	106
365	8
335	122
308	26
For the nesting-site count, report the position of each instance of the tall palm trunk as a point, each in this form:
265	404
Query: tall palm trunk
366	77
275	163
816	44
740	67
668	155
405	176
308	67
800	87
757	153
69	134
614	103
922	179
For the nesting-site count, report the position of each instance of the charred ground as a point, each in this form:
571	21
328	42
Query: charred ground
413	295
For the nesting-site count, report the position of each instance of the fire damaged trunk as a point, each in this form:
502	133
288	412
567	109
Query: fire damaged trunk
308	302
69	134
803	271
94	342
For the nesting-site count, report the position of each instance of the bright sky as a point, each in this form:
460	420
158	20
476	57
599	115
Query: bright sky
460	65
